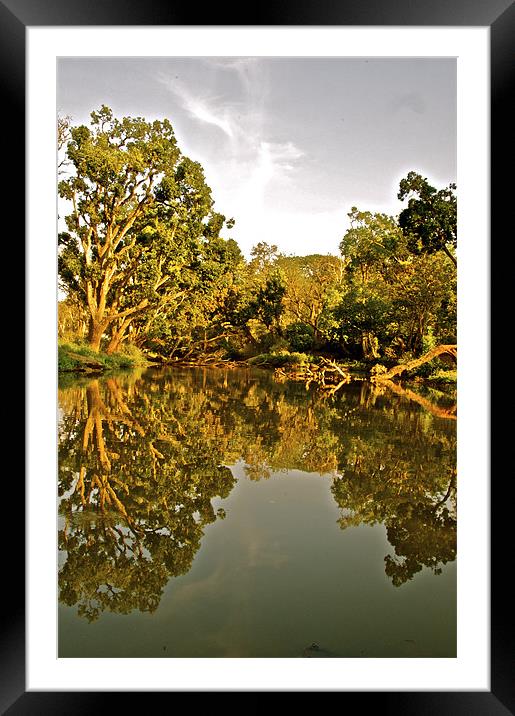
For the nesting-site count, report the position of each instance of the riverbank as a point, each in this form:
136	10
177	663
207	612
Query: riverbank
79	358
328	371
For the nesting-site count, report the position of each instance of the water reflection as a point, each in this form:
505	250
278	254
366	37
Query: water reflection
136	479
141	458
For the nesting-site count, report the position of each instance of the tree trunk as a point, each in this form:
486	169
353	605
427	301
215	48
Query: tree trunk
451	350
446	251
249	335
369	345
118	335
115	341
95	333
114	344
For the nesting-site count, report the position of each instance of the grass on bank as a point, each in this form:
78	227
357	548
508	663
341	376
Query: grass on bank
77	356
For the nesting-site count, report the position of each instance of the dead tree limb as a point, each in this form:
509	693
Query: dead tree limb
451	350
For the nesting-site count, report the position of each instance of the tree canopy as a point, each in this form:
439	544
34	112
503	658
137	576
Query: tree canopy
145	260
429	220
140	225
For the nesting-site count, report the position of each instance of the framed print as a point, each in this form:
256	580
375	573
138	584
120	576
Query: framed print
250	137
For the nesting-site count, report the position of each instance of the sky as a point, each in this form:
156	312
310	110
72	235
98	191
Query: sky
288	145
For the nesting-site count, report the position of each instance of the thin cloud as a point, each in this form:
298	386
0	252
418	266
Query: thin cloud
198	107
201	111
254	168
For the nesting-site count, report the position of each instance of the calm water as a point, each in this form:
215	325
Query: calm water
212	513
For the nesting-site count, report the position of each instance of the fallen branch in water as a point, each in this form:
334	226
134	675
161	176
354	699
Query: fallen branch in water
327	374
450	350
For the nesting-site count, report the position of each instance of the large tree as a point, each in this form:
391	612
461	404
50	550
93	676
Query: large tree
373	248
429	220
141	213
422	295
313	287
372	242
197	324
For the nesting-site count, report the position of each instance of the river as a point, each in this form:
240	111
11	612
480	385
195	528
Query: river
219	513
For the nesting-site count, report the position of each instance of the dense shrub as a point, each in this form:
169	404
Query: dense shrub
64	361
284	358
300	336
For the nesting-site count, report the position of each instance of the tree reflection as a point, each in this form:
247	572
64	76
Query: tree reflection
141	458
136	485
405	478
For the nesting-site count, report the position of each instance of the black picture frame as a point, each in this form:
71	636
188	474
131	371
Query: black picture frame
499	16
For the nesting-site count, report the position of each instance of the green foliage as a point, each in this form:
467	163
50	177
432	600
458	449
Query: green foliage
69	358
393	296
270	359
80	348
440	376
264	256
64	361
423	371
429	220
371	242
300	336
428	343
270	343
284	358
314	285
135	354
364	314
116	361
428	340
268	305
143	259
142	234
297	358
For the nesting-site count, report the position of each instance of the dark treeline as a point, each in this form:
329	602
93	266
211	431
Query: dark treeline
145	261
